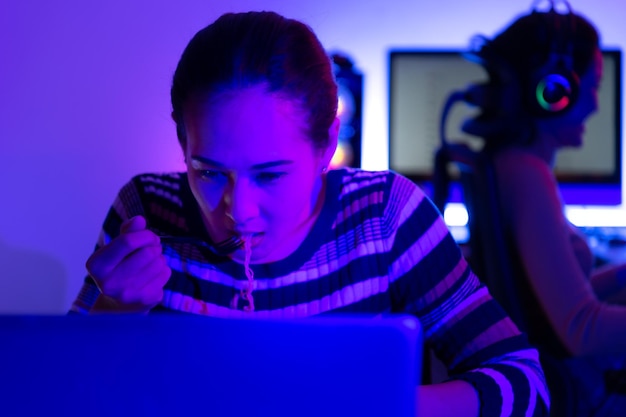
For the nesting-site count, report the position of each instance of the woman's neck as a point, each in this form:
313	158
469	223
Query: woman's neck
543	146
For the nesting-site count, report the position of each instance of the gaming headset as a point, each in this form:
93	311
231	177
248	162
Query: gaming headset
550	89
554	86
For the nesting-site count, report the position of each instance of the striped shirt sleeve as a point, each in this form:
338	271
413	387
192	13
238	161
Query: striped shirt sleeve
467	329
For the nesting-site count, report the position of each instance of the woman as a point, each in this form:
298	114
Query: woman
545	70
255	103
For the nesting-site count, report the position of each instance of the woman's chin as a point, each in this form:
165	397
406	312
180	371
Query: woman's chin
574	139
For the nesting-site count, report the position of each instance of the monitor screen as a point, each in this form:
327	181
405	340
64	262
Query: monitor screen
421	80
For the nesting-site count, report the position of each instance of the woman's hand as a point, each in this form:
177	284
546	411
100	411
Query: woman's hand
130	271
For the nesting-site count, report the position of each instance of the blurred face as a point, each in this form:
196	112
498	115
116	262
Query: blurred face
568	129
253	170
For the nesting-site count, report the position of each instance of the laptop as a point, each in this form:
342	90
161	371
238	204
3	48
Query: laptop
186	365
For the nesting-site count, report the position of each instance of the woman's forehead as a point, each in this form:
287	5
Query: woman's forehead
244	118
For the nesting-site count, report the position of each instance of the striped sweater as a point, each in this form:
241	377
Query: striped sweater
379	246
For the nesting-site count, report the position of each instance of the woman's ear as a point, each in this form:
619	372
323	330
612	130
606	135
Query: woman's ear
333	137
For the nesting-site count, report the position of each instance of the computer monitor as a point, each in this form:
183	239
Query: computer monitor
421	80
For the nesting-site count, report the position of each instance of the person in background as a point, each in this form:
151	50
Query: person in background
255	106
545	69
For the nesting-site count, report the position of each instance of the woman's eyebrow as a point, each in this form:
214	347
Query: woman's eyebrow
206	161
264	165
272	164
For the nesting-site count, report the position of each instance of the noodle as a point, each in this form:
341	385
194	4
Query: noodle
246	293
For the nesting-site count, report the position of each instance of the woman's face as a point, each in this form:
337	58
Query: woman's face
252	168
568	129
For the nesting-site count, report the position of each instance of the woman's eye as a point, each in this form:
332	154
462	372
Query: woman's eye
269	177
209	174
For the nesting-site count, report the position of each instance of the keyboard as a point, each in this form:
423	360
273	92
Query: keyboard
608	243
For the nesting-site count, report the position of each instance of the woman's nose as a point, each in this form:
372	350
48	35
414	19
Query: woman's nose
241	201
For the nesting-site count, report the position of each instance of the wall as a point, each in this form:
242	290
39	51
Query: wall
85	105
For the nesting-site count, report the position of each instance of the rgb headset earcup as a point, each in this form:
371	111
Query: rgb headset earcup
554	85
553	91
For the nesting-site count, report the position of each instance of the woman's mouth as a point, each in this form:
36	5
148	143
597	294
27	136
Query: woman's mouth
253	238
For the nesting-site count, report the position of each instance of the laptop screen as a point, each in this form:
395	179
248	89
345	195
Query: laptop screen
165	365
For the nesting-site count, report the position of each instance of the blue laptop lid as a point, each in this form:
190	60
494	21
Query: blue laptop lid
184	365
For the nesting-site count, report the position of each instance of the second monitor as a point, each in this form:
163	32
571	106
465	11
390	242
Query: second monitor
420	81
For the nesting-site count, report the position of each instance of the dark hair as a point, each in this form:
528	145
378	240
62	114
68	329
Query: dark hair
525	45
241	50
512	59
